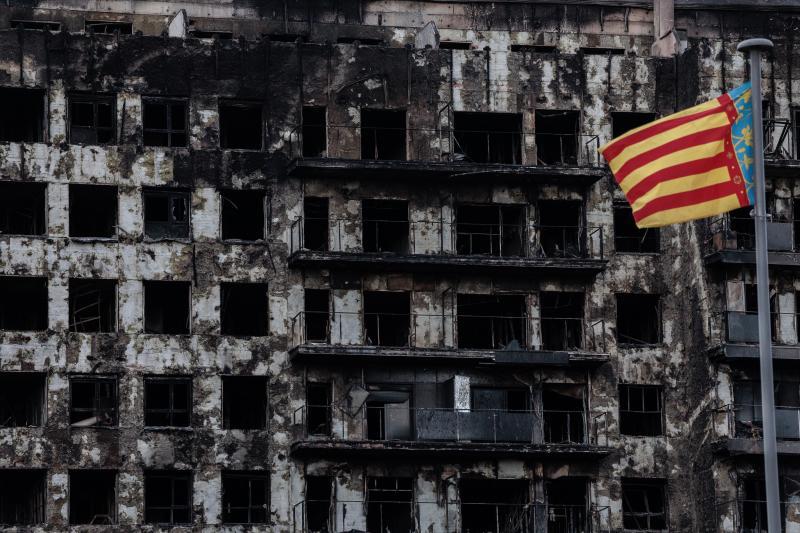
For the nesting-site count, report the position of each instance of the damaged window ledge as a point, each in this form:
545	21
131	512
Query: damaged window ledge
244	242
94	239
632	345
179	240
646	254
168	429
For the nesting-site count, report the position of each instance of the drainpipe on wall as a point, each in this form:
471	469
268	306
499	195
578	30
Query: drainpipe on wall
666	43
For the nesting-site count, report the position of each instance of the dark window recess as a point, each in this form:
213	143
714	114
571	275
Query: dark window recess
93	211
640	410
496	230
166	214
562	323
390	504
167	401
622	122
385	226
244	402
167	307
167	497
286	37
454	45
241	126
92	497
557	137
561	231
108	27
630	239
36	25
564	414
315	223
360	41
93	305
492	322
23	303
488	137
245	497
795	223
638	318
533	48
496	505
742	228
383	134
751	306
748	420
93	402
601	51
244	309
164	122
92	119
211	34
22	399
389	414
495	399
387	318
317	316
753	500
22	208
23	115
315	137
319	494
318	406
23	495
243	215
796	132
644	505
567	501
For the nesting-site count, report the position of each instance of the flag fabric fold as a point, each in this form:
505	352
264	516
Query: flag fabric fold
693	164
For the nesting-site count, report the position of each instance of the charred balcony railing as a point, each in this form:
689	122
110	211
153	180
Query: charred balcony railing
778	139
743	421
732	232
745	515
741	327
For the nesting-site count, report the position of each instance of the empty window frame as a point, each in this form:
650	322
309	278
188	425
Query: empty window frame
748	420
455	45
315	137
387	318
23	496
45	25
492	322
23	113
488	137
23	303
567	504
385	226
513	399
388	413
108	27
383	134
244	309
167	401
489	505
390	504
753	500
242	214
167	497
795	223
93	497
211	34
244	402
742	227
318	408
167	307
622	122
494	230
22	399
562	324
644	506
640	410
241	125
315	223
561	230
166	213
93	211
93	401
164	122
93	305
557	137
316	321
22	208
319	495
564	412
92	119
638	318
245	497
630	239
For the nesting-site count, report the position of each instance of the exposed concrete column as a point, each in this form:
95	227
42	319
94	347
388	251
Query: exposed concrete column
665	44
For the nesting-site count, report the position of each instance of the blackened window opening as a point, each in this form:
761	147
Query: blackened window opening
166	214
567	505
93	402
488	137
315	136
390	504
751	309
796	223
92	119
92	497
495	230
318	408
388	413
44	25
167	401
93	211
510	400
319	495
557	137
316	316
496	505
564	413
243	214
244	402
640	410
211	34
22	208
638	319
93	305
315	223
562	324
23	495
106	27
383	134
454	45
167	497
493	322
244	309
22	399
241	126
624	121
387	318
753	500
23	115
245	497
167	307
561	230
23	303
630	239
164	122
742	228
385	226
644	505
796	132
748	417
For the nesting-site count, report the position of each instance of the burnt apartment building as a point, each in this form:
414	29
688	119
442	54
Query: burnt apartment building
339	266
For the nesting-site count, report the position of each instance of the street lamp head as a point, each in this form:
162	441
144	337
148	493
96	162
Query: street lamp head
754	44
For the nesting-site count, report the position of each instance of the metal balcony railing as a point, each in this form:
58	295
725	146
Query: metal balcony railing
737	233
744	421
779	141
742	327
745	515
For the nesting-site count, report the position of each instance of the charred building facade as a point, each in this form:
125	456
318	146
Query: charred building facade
319	266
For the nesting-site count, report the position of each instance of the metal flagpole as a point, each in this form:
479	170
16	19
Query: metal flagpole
755	47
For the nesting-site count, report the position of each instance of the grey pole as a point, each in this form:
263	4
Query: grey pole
755	47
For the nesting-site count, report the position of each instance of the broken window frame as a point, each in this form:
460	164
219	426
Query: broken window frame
35	488
260	411
75	214
659	330
316	229
170	477
38	133
225	198
642	485
501	237
316	507
645	118
169	105
316	320
229	324
383	506
374	230
12	206
36	25
91	485
324	412
373	132
625	408
569	150
108	27
252	508
494	141
37	286
646	241
34	405
500	329
97	411
105	304
400	335
152	285
172	228
171	411
214	35
313	130
253	106
95	100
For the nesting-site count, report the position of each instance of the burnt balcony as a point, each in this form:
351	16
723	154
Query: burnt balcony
734	336
749	515
730	240
743	428
781	147
339	337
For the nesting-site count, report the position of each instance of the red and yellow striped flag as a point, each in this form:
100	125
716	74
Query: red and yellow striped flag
693	164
